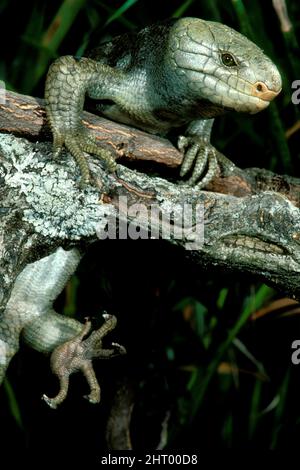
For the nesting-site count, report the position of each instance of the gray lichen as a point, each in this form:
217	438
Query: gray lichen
55	205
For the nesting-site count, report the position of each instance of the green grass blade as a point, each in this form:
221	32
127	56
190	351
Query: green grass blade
182	9
13	403
279	411
54	35
70	307
254	414
120	11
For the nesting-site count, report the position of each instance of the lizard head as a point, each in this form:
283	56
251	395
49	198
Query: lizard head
218	64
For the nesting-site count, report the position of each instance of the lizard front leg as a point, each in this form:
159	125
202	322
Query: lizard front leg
200	156
67	82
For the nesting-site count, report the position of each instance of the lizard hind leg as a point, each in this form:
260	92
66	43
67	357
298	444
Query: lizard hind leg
77	353
66	359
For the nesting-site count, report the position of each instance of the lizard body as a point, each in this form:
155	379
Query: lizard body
176	73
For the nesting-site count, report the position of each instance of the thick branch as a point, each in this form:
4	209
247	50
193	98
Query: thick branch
254	226
25	116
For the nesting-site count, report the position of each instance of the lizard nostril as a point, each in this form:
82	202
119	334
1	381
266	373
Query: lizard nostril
259	87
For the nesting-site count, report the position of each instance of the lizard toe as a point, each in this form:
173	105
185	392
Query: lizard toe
211	171
189	158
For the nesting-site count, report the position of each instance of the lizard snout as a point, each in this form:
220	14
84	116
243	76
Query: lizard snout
261	90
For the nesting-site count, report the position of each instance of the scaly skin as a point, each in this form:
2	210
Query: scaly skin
178	73
29	313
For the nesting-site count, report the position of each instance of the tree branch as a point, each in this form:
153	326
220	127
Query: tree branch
251	217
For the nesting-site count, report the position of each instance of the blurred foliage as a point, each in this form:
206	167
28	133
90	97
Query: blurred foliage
196	349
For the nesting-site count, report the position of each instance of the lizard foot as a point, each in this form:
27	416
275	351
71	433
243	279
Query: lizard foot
200	158
77	354
78	142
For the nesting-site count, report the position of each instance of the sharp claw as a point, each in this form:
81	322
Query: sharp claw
56	151
121	349
183	171
58	143
106	316
92	399
182	142
49	402
83	184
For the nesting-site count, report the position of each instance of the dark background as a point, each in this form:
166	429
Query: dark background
174	319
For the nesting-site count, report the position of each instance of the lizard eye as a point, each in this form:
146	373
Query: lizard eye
228	59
